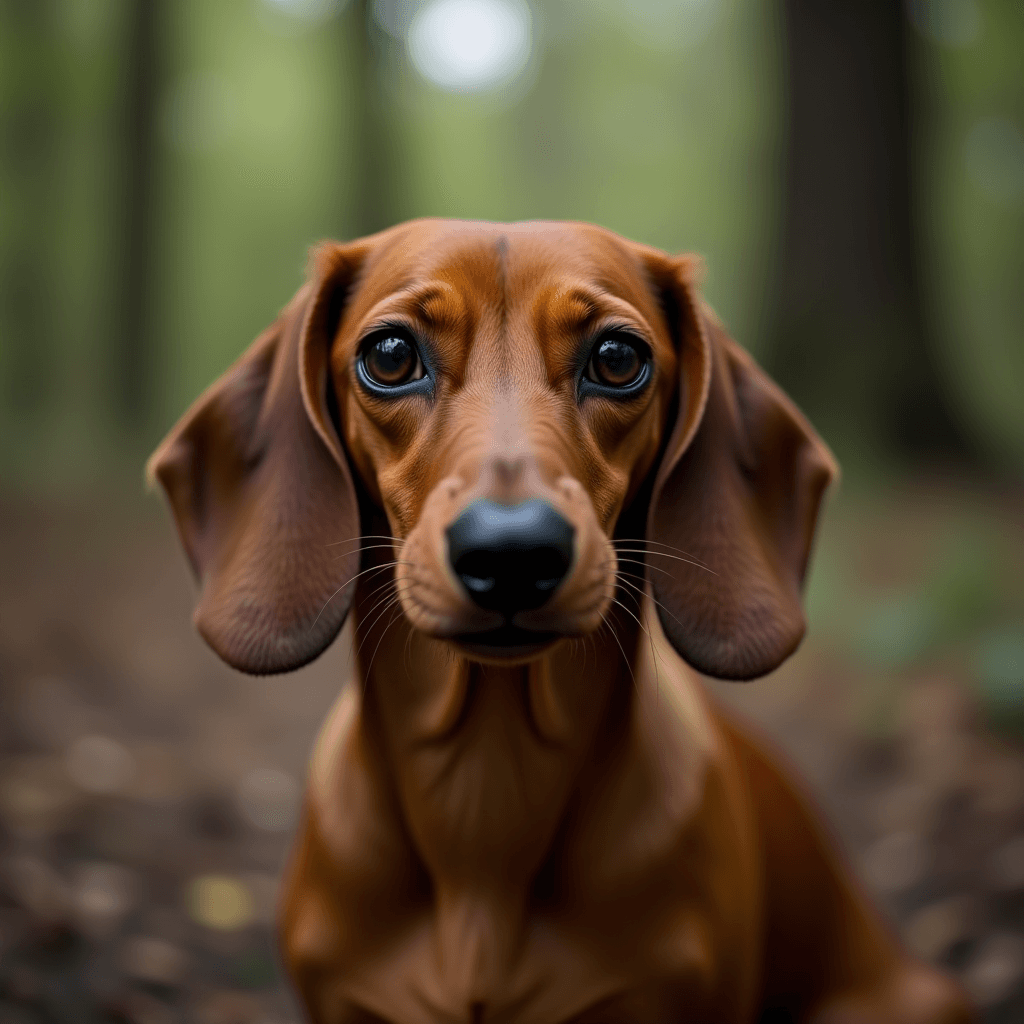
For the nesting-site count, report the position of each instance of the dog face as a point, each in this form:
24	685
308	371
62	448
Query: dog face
502	397
510	396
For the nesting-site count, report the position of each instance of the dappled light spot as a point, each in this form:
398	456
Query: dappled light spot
103	894
220	902
98	764
470	45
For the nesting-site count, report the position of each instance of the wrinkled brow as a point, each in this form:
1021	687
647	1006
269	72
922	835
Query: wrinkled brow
436	304
574	310
567	311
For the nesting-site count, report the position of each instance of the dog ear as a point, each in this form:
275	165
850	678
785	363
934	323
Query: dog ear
260	488
737	492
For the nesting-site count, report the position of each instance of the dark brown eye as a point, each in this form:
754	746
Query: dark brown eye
616	362
392	360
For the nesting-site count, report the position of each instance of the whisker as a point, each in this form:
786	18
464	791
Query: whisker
427	585
630	612
633	561
411	583
369	629
650	638
365	536
377	648
396	561
661	544
343	586
650	596
579	642
410	580
405	653
380	601
365	547
624	658
376	590
372	568
663	554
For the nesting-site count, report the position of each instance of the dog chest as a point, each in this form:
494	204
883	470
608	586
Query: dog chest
558	977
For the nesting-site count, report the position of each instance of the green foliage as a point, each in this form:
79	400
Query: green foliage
956	595
920	581
971	205
674	144
672	137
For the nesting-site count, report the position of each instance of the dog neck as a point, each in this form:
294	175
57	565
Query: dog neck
482	760
436	766
485	756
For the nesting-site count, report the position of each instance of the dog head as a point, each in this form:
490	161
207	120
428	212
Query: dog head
532	407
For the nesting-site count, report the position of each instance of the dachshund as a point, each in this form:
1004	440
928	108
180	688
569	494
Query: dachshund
551	490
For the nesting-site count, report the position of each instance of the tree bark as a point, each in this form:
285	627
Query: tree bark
849	340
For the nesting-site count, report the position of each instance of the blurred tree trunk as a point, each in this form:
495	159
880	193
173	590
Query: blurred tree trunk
29	125
849	340
133	355
371	206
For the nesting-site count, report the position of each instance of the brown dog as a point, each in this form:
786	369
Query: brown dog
504	447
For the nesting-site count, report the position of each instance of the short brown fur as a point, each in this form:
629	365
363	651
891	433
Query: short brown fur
577	833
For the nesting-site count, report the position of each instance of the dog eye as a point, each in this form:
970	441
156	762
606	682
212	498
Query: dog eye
392	359
616	362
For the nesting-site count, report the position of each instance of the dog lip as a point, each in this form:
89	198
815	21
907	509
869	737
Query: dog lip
506	641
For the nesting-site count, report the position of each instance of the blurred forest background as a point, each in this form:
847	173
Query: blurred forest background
852	174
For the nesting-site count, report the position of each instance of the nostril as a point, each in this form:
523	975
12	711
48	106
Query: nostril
543	567
548	566
510	558
475	569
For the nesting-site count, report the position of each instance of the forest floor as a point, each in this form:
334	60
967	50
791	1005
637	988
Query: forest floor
147	792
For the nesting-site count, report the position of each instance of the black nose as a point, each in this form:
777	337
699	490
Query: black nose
510	557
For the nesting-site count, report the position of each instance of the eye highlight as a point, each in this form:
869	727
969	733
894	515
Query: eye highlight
618	362
391	359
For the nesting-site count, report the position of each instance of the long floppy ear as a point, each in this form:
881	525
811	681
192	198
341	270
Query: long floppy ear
260	487
738	491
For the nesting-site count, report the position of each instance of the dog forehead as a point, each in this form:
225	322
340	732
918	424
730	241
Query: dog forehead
496	263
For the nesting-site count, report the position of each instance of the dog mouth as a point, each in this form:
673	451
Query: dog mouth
504	642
